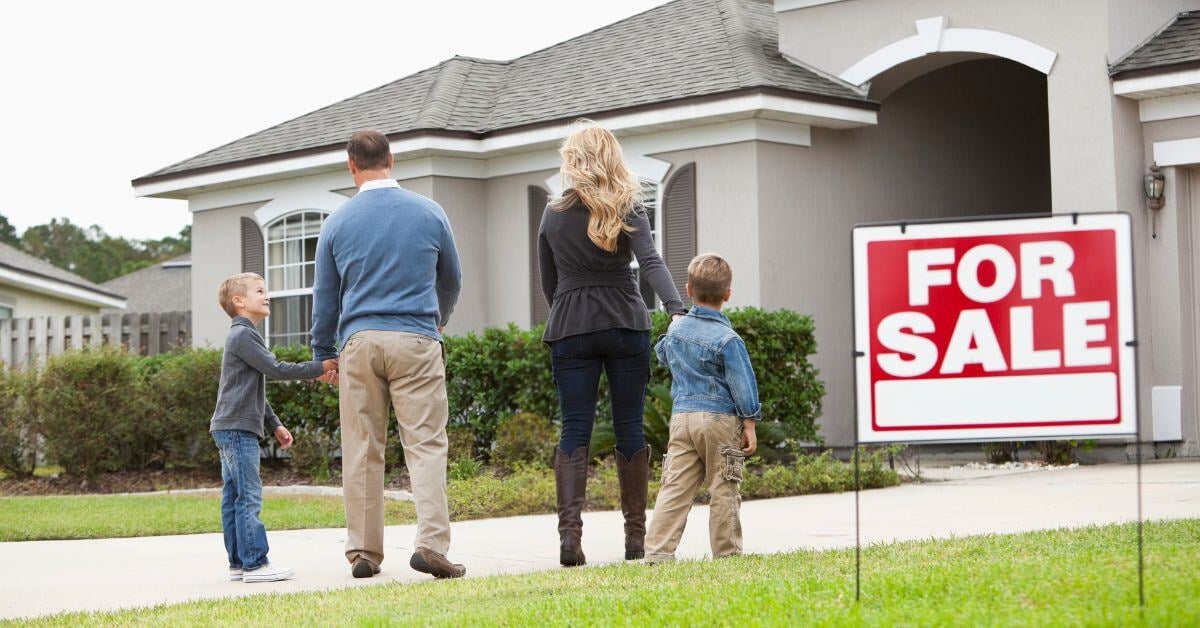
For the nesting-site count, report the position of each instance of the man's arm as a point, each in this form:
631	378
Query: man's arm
449	274
327	302
739	374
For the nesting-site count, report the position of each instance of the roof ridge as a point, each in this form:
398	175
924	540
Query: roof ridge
741	42
1142	44
598	29
447	86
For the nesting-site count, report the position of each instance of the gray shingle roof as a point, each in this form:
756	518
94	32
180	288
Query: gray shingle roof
1176	44
682	49
164	287
19	260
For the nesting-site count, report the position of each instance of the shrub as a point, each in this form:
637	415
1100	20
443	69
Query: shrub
1001	452
91	413
312	452
180	394
497	373
819	474
464	468
462	442
524	438
304	404
1062	452
18	438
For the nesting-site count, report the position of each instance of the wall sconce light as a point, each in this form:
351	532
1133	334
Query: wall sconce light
1153	185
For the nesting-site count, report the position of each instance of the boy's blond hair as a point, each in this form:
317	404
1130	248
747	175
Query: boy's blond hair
235	286
710	277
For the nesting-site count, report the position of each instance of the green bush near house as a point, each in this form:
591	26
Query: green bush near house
18	434
524	438
180	390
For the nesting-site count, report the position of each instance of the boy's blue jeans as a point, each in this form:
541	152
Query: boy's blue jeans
241	499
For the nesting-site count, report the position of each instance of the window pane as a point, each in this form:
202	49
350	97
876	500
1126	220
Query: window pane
291	320
6	312
292	278
312	223
275	254
310	249
275	279
309	270
275	231
291	252
294	226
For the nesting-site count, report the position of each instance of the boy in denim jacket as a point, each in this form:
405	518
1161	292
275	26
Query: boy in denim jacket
715	408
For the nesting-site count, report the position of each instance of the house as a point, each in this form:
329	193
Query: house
163	287
763	130
31	287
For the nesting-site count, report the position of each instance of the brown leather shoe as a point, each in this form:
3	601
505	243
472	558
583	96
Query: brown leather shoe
633	474
570	481
363	568
428	561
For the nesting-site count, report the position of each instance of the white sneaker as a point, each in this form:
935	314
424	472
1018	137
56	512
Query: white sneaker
267	573
235	574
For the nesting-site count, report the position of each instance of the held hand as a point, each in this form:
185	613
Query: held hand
330	377
675	317
329	365
749	442
283	436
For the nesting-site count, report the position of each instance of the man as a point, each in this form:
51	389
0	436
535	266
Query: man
387	279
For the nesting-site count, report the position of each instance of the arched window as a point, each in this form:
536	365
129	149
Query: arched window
291	261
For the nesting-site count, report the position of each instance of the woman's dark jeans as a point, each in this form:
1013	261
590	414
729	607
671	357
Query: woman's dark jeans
623	354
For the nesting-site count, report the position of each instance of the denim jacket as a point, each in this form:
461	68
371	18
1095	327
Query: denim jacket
710	368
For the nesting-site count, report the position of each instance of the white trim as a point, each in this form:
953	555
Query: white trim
933	37
1169	107
1177	152
1171	83
463	156
294	292
791	5
322	201
183	264
59	289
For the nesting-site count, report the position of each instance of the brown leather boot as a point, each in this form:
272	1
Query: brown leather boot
428	561
570	479
633	474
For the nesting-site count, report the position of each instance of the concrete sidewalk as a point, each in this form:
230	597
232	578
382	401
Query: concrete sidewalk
41	577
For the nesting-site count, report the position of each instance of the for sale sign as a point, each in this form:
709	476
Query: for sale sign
1013	329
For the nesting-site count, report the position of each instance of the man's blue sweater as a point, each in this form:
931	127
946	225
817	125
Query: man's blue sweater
386	260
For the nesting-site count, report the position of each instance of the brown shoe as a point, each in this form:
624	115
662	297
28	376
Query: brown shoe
363	568
570	481
428	561
633	474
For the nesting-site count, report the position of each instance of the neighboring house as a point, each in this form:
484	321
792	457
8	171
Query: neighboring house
32	287
764	131
163	287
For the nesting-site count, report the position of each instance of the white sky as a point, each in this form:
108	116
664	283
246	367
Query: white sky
95	94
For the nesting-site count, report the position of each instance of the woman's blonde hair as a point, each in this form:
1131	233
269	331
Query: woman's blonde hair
594	173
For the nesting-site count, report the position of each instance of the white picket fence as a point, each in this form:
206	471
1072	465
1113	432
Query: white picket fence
29	341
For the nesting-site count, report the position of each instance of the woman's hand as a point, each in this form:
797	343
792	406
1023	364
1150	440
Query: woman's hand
675	317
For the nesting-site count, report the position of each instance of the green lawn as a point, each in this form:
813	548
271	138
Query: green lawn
1073	578
108	516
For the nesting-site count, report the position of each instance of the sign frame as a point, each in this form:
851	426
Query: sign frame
1126	301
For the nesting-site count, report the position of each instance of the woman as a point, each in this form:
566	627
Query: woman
598	322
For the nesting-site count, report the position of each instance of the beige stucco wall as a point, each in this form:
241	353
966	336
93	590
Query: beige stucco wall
29	303
464	202
216	254
507	272
943	148
727	211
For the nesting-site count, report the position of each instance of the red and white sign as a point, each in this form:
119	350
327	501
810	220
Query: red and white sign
996	330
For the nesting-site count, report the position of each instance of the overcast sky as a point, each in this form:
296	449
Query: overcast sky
95	94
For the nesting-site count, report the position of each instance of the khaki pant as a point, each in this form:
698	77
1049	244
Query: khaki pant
703	447
407	371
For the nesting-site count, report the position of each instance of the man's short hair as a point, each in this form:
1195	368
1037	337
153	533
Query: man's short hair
369	150
710	277
235	286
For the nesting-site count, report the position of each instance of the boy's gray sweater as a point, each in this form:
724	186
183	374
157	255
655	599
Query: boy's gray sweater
245	367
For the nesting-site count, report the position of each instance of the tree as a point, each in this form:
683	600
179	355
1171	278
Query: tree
8	233
96	256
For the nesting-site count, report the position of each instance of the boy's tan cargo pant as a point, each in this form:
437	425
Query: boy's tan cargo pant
703	448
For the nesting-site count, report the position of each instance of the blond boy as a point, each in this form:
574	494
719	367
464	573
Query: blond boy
714	410
242	418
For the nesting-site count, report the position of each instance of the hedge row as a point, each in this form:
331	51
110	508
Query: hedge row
105	410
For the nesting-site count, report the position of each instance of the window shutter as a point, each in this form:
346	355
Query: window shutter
679	230
539	311
252	247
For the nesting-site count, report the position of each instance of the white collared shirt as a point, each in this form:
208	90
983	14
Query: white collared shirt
376	184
